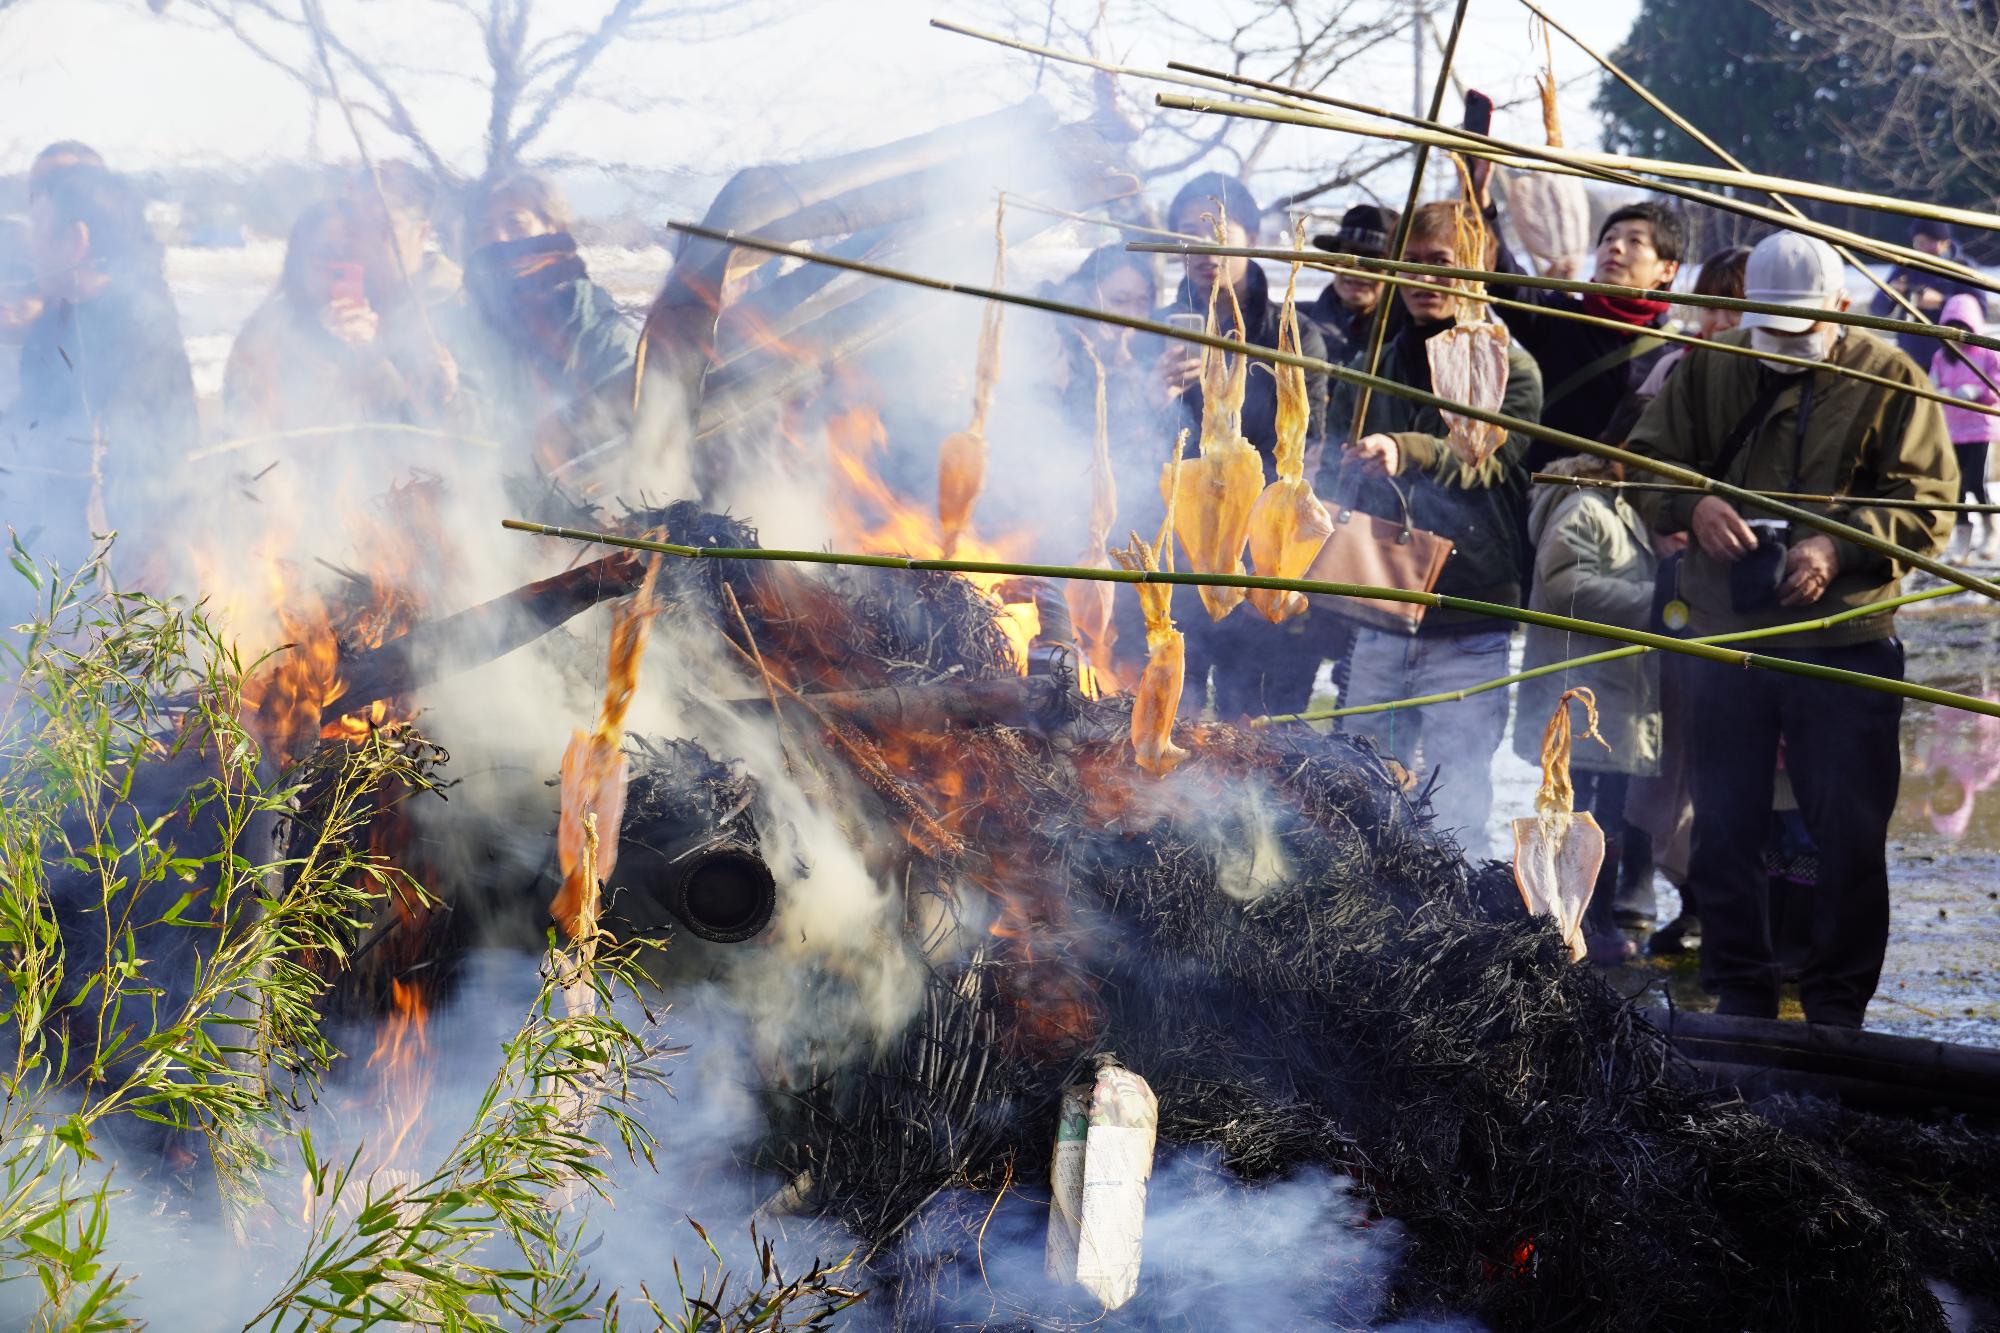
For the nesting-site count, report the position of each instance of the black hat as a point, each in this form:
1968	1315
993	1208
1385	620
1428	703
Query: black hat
1932	227
1364	229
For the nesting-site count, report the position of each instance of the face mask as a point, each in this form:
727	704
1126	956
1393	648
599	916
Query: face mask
1812	345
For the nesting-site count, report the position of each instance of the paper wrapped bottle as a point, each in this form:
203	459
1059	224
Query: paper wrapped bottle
1098	1176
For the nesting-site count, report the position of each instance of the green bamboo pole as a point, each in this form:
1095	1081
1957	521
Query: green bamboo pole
1347	375
1796	497
1592	659
1313	587
1723	155
1923	390
1331	260
1564	162
1587	162
1378	325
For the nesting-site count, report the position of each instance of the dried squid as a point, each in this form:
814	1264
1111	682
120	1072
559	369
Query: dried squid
1468	362
1557	851
962	455
1551	213
593	767
1288	524
1157	701
1090	601
1216	489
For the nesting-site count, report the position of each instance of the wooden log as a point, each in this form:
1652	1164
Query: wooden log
1872	1070
1035	702
482	633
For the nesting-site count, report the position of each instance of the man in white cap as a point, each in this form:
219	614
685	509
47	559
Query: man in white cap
1779	426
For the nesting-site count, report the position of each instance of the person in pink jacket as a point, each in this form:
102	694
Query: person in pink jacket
1957	371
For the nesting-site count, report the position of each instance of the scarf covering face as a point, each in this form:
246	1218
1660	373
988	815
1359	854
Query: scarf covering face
1639	312
527	287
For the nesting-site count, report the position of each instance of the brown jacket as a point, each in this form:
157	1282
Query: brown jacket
1860	440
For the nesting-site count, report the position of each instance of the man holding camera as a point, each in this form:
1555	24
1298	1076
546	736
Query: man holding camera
1778	426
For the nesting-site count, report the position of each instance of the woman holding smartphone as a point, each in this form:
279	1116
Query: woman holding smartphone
311	356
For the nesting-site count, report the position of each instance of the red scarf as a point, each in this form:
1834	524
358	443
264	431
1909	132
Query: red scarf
1636	311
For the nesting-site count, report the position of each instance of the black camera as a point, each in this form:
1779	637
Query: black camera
1755	579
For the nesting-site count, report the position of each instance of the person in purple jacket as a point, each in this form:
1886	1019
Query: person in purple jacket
1957	371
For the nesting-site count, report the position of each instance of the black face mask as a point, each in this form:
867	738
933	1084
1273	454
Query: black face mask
495	275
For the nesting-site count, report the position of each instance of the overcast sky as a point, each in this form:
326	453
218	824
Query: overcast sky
151	91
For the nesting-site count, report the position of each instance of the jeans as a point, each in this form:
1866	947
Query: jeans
1842	756
1457	740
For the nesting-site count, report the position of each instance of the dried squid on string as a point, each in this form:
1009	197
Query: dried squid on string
593	768
1468	362
1288	524
1216	489
1550	212
1558	851
962	456
1157	701
1090	601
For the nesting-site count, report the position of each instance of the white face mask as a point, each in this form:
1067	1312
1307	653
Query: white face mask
1812	345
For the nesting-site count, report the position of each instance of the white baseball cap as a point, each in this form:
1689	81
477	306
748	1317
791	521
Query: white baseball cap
1787	268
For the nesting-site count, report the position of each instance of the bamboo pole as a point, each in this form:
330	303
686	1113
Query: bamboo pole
1592	659
1331	260
347	428
1465	141
1312	587
1096	220
1798	497
1347	375
1914	390
1562	161
1378	325
1723	155
1588	161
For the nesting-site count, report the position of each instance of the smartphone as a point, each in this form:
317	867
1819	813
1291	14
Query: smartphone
347	284
1188	320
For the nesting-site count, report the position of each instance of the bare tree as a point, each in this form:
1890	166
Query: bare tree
540	57
1917	97
1302	46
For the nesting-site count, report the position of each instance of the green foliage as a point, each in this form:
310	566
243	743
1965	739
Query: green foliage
170	925
1773	95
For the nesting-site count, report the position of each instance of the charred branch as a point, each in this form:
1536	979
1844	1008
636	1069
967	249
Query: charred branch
481	634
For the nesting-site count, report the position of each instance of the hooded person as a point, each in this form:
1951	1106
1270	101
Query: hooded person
1775	426
1345	310
561	353
1258	667
1970	375
1926	290
105	413
312	354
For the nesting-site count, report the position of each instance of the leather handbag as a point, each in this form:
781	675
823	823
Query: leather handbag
1383	553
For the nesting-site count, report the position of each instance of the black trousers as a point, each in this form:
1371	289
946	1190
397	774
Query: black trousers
1971	471
1841	752
1603	795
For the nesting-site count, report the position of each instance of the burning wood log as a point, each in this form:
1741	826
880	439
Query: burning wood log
1034	702
480	634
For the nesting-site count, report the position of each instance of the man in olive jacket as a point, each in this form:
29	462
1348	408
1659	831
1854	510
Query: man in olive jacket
1775	427
1402	458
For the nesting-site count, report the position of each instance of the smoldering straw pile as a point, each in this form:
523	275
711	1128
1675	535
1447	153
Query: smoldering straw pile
1310	977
